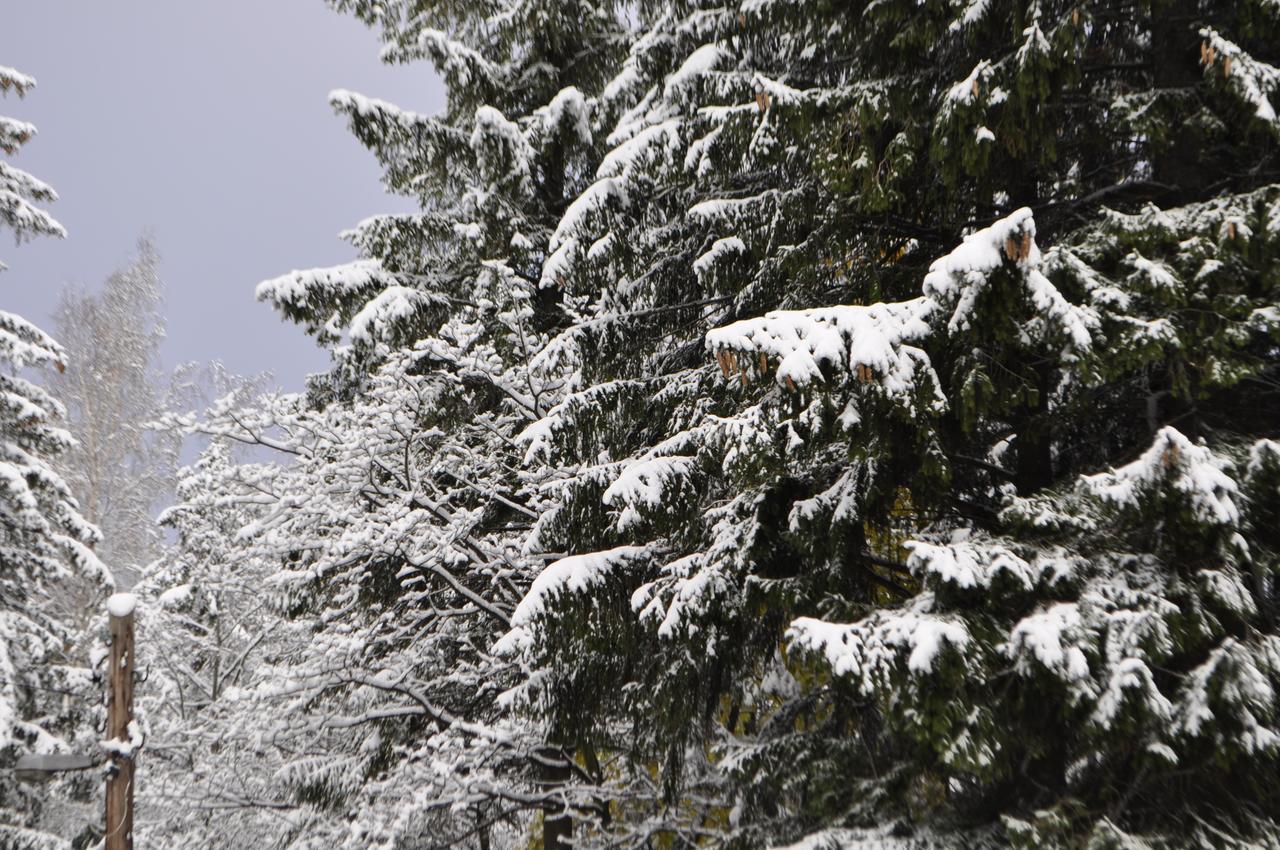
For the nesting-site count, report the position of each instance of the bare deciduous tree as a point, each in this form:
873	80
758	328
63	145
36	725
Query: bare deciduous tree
120	470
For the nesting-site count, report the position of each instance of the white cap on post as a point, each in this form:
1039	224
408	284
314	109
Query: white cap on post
121	604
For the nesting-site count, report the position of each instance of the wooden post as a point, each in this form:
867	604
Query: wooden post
119	716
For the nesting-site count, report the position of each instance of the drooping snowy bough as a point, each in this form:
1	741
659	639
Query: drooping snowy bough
45	543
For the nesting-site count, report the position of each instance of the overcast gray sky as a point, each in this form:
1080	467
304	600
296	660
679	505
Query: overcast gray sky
206	123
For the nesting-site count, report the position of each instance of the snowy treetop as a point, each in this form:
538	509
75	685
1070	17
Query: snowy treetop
1176	462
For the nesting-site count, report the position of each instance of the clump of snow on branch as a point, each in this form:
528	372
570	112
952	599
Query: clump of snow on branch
871	651
1050	638
874	338
644	485
956	281
977	564
1175	462
1254	82
571	575
874	342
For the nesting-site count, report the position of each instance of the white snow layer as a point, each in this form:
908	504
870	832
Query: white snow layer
843	337
573	574
870	650
121	604
643	485
299	287
175	596
872	341
1173	461
699	62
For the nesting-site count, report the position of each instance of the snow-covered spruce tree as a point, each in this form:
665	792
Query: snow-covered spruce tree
865	576
397	525
45	689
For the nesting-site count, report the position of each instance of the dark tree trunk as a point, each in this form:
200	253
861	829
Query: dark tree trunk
1035	440
1175	65
557	824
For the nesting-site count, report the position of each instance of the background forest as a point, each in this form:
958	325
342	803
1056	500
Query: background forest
786	423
